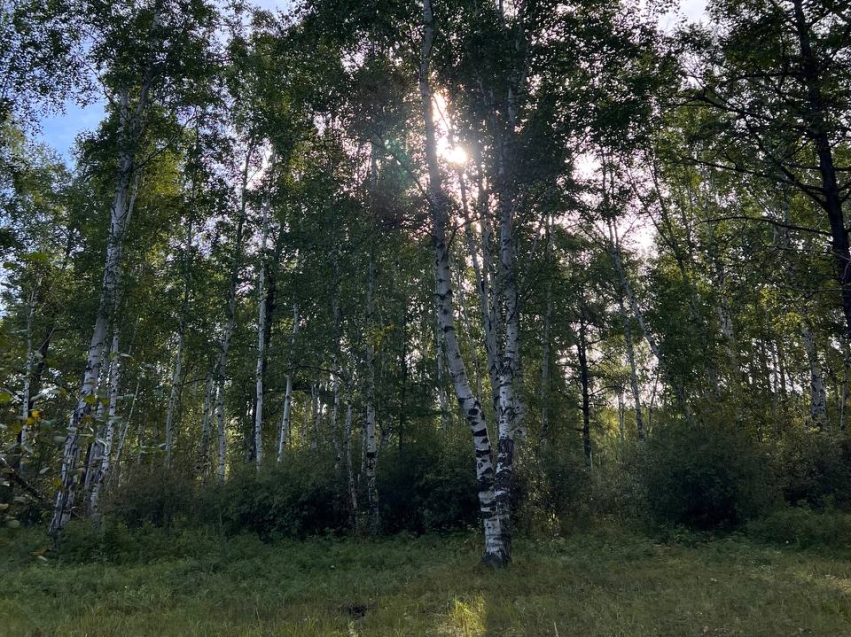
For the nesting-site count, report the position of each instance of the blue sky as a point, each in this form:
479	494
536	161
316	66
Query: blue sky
60	130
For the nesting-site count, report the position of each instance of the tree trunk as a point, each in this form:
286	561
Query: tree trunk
130	123
284	430
174	397
109	435
23	436
496	552
114	476
819	134
230	320
350	473
585	385
202	468
818	396
626	287
371	449
261	342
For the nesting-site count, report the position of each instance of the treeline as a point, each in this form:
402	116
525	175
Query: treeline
307	258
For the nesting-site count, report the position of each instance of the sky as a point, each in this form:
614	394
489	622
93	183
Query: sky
60	130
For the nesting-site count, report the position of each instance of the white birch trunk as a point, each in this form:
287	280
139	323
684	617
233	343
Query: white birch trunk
123	437
129	130
371	449
495	549
284	429
109	434
203	466
483	287
818	393
23	437
221	432
350	474
626	287
174	395
261	342
173	398
442	400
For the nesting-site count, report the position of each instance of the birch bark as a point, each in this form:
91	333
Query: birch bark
818	394
284	429
26	399
230	320
261	341
130	124
111	418
371	448
496	552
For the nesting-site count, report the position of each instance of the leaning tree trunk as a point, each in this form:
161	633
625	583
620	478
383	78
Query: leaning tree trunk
130	124
109	434
496	552
819	132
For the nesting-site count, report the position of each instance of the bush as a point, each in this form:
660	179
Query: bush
152	497
111	541
428	485
814	468
802	527
706	478
300	497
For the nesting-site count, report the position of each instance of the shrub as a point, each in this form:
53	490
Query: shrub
802	527
152	497
814	468
300	497
428	485
706	478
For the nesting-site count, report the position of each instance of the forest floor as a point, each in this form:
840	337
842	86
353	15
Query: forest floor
588	585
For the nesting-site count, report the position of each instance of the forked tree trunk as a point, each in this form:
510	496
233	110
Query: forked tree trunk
496	552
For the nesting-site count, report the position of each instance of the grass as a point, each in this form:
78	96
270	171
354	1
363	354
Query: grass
589	585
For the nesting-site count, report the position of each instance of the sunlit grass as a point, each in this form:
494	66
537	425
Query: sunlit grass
601	585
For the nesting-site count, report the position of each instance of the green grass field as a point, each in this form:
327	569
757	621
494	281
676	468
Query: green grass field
588	585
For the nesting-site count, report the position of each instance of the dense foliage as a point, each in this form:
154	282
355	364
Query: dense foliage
298	242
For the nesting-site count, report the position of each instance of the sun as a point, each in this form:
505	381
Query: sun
455	155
